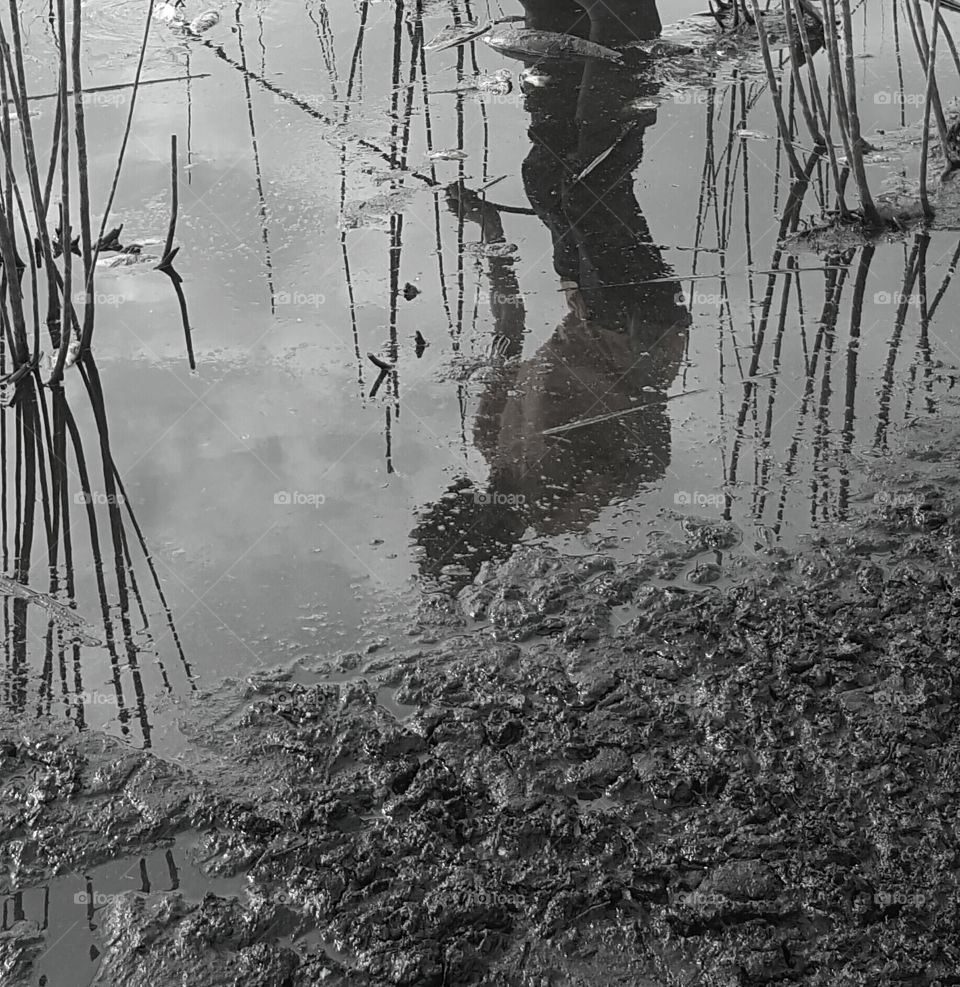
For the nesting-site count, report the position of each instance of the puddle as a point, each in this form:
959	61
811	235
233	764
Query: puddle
67	910
413	354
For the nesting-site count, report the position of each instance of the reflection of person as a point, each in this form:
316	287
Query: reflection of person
621	343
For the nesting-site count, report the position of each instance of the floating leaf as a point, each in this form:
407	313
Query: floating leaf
534	78
375	212
640	106
499	249
167	13
73	351
498	84
126	258
456	34
49	362
520	42
69	621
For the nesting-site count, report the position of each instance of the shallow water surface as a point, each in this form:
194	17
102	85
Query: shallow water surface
587	372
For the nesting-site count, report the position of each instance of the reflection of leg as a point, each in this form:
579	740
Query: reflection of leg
543	175
612	239
552	160
600	209
617	22
557	15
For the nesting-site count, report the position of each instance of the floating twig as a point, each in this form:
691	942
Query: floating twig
596	419
115	88
381	377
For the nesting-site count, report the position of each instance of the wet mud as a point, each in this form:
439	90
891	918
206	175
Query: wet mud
595	775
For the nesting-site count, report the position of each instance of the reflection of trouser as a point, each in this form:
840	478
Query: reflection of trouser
604	21
587	141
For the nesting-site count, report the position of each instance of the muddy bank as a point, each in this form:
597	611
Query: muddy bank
615	779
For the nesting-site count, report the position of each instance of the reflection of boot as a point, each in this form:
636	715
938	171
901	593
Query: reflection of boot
506	302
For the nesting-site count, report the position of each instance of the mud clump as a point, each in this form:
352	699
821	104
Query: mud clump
755	785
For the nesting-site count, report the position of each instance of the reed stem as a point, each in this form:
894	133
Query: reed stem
927	99
795	165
